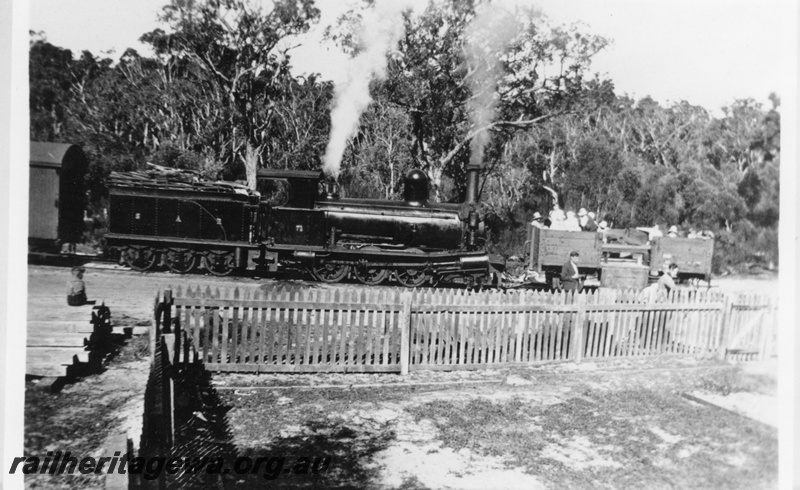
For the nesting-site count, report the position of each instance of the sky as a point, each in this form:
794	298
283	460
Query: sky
707	52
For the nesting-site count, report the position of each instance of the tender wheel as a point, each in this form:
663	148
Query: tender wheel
219	263
371	275
140	258
327	272
180	260
411	277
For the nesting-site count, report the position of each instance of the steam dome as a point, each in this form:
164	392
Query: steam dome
416	188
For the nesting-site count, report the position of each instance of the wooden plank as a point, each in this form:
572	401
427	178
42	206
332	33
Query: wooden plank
492	343
327	324
270	329
51	361
242	332
443	336
234	346
661	337
405	324
388	332
358	337
553	333
310	331
224	341
369	334
285	303
434	338
253	353
596	326
216	331
381	336
316	321
344	333
300	368
542	321
528	338
377	329
501	345
469	319
608	333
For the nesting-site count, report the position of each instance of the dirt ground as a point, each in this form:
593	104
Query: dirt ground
621	424
671	423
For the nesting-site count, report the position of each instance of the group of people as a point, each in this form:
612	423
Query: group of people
569	221
585	221
572	279
654	232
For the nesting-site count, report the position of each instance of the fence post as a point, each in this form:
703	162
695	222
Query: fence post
167	354
167	311
725	328
154	330
580	318
519	328
765	328
405	337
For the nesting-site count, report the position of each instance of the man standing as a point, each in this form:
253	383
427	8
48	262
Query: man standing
570	277
587	220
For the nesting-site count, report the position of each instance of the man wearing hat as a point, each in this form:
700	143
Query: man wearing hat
673	232
586	220
570	277
603	229
76	289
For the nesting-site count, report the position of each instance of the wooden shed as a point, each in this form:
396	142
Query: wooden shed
57	196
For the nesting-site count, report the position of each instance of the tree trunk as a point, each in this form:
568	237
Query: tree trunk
251	165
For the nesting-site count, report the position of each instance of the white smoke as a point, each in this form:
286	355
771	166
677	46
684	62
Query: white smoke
379	31
487	37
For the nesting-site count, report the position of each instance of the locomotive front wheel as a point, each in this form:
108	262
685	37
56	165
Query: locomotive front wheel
181	260
411	278
140	258
371	275
219	263
327	272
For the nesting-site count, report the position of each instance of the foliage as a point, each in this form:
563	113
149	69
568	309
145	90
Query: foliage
218	92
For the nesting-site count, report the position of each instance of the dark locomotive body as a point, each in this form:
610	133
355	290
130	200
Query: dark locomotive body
295	221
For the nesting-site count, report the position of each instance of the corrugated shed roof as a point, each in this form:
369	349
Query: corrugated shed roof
52	153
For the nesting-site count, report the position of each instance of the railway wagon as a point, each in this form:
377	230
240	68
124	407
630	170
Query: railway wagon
692	255
548	250
57	195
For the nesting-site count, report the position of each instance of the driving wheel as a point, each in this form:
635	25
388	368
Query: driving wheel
371	275
140	258
411	277
329	272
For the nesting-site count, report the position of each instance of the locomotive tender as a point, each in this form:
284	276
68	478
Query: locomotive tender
296	220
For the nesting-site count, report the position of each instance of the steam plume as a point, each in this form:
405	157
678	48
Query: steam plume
490	32
379	31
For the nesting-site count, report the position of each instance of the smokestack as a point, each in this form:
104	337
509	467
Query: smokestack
473	171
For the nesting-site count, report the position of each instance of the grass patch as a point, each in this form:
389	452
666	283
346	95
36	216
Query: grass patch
634	438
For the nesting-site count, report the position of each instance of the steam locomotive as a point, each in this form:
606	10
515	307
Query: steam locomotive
296	220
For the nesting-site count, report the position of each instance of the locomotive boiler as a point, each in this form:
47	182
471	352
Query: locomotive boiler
297	220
